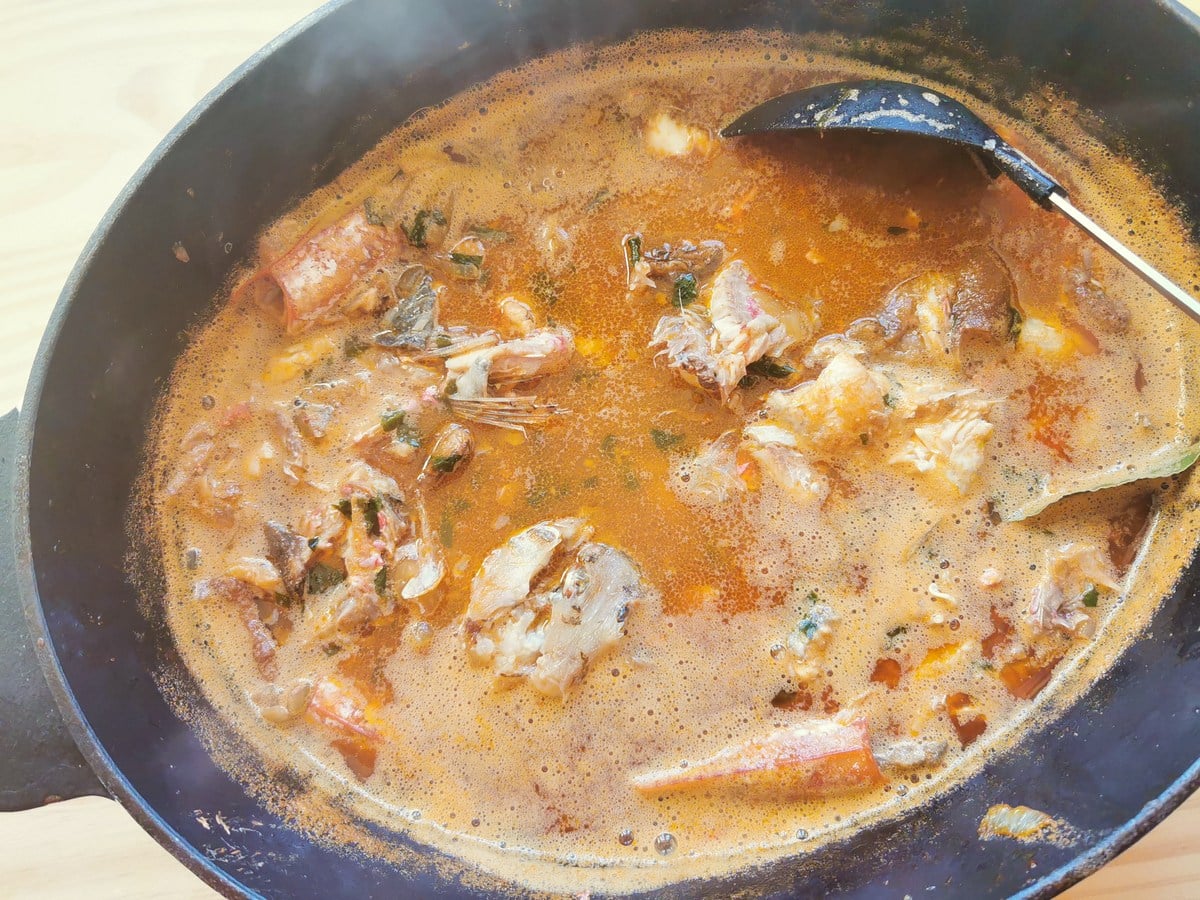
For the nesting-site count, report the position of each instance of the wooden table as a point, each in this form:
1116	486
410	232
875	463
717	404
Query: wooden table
88	89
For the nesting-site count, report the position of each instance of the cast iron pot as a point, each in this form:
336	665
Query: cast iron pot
294	116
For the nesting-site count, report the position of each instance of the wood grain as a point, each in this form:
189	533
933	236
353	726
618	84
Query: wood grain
88	89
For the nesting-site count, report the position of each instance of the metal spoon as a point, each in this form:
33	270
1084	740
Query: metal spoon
896	107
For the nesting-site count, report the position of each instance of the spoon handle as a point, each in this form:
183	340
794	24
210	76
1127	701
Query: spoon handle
1147	272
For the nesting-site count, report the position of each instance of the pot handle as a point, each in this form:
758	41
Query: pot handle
39	762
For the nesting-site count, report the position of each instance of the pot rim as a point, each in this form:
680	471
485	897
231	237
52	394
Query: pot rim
97	757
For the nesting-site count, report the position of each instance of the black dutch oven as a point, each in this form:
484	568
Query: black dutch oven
1117	760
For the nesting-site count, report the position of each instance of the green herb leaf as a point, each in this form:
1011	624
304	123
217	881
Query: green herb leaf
1015	321
418	232
322	577
353	347
769	367
809	627
889	401
392	420
665	440
466	259
865	438
371	211
897	631
537	496
633	249
381	582
445	464
487	233
370	511
343	506
685	291
1040	490
598	199
1091	596
897	230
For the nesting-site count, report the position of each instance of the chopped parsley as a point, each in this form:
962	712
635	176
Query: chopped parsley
445	464
665	440
322	577
418	232
686	290
768	367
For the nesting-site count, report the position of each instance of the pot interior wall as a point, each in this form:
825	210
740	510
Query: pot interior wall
299	116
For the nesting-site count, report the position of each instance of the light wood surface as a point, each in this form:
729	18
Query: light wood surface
87	89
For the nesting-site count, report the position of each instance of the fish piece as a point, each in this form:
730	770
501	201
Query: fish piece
774	449
712	349
315	279
685	343
834	411
341	708
259	573
542	352
290	553
281	704
452	449
1060	599
519	315
420	566
741	323
712	475
916	313
392	450
952	445
586	617
505	577
346	608
199	479
660	267
323	529
939	315
984	307
295	463
411	323
313	419
244	598
809	759
801	653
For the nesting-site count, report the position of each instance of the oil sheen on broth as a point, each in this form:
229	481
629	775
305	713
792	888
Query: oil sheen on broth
799	389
